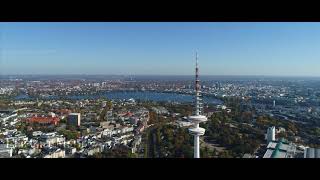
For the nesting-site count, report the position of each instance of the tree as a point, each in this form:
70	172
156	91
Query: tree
64	120
205	152
214	152
109	105
225	154
132	155
120	151
68	134
103	115
316	131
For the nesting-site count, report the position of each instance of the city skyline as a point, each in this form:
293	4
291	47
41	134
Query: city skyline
225	49
94	117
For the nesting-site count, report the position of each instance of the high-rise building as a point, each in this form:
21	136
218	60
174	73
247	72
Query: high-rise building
271	134
197	118
74	119
274	103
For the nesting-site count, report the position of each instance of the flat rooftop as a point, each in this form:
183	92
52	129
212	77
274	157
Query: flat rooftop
284	147
268	154
272	145
279	154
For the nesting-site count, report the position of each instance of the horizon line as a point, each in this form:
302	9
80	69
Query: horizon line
78	74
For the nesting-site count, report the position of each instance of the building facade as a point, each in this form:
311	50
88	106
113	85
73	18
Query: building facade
271	134
74	119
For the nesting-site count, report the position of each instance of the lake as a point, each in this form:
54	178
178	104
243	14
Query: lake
137	95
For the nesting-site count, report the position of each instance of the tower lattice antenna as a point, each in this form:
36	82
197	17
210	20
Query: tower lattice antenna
197	85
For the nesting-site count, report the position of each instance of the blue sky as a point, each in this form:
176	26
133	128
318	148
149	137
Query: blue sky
285	49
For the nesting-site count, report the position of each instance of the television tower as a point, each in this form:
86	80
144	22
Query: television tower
197	118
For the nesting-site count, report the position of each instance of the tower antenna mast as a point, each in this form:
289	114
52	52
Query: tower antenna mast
197	118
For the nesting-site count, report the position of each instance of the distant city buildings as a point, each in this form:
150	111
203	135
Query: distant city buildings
41	102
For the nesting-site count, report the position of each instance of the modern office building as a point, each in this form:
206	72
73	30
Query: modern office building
74	119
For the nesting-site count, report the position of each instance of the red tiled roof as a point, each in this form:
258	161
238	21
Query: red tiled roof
43	120
129	114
